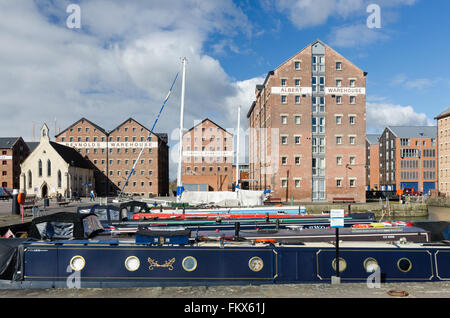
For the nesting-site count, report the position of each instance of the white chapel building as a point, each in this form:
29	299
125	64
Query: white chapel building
53	169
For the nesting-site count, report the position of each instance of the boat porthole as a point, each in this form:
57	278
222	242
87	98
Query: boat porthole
370	265
342	264
404	265
189	263
77	263
132	263
256	264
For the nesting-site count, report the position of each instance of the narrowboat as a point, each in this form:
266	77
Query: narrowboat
68	250
128	216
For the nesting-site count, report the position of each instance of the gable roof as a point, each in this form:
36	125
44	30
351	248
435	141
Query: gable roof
82	119
32	145
445	113
207	119
414	131
162	136
8	142
372	139
71	156
287	60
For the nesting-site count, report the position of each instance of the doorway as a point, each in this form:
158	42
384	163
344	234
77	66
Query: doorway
44	191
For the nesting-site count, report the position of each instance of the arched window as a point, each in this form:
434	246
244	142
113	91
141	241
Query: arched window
59	179
49	168
40	168
30	182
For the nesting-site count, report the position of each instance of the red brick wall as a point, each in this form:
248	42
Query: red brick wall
151	176
215	171
268	111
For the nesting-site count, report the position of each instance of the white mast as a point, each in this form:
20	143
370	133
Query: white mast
237	147
180	151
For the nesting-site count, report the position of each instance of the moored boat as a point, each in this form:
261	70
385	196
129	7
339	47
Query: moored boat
72	251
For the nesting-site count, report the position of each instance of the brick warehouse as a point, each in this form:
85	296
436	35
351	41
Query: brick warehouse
13	151
443	132
372	162
114	152
307	129
408	158
207	158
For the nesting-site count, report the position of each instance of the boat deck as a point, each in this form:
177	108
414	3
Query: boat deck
130	241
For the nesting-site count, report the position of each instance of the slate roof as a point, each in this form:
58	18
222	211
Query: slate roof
32	145
373	138
82	119
445	113
71	156
414	131
8	142
207	119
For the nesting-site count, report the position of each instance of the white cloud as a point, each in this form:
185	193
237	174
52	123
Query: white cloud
355	32
309	13
355	36
120	64
418	83
380	115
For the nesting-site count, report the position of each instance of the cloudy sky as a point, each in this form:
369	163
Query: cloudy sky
121	61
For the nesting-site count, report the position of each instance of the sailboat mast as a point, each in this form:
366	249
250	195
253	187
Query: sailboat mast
180	151
237	147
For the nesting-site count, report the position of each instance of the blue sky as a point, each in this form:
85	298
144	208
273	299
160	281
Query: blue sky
121	61
406	59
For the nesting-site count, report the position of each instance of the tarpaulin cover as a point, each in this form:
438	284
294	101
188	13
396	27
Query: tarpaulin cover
224	198
64	225
11	258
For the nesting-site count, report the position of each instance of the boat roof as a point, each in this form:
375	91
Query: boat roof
126	241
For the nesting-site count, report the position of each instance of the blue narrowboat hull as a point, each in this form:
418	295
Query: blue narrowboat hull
105	263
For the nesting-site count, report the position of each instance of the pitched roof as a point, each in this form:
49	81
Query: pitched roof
273	71
373	138
203	122
32	145
445	113
8	142
162	136
90	122
71	156
414	131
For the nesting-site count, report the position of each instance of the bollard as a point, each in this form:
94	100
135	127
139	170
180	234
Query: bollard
15	204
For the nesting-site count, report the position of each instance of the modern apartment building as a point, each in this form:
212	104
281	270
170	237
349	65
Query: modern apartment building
443	152
207	158
13	151
408	158
372	162
115	152
307	135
